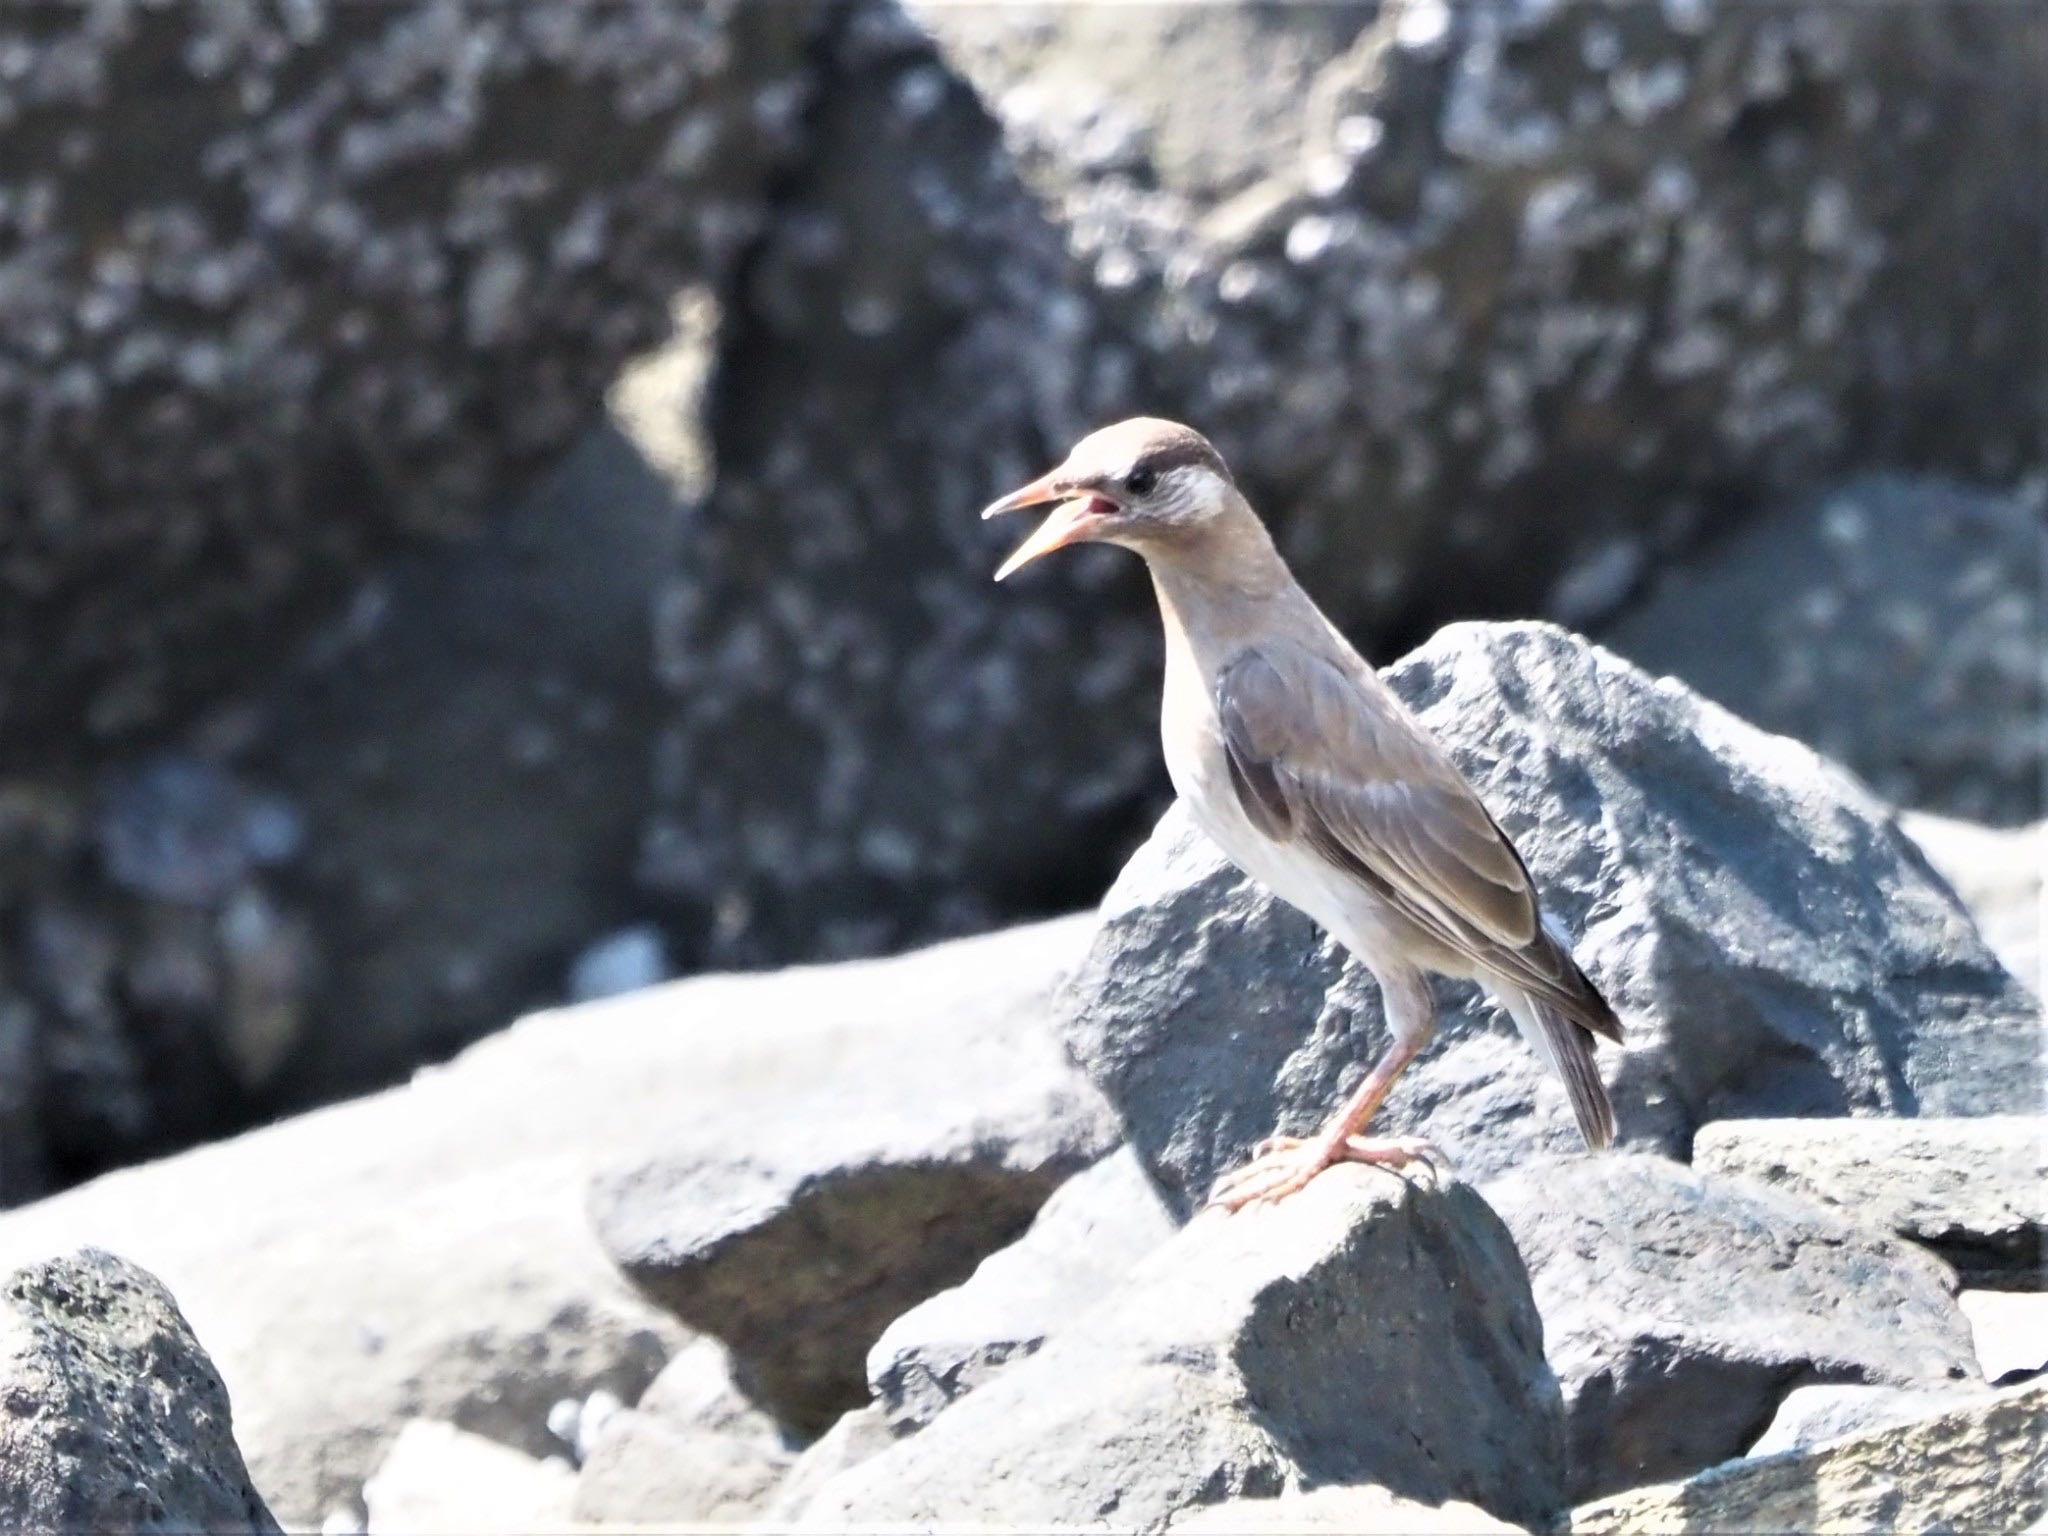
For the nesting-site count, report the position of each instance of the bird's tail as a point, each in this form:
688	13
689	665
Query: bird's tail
1566	1046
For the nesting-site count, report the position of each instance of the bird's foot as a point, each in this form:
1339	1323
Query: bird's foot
1284	1165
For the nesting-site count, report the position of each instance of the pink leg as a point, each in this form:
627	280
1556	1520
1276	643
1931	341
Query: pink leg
1284	1165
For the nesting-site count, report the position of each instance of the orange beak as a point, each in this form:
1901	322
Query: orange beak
1068	523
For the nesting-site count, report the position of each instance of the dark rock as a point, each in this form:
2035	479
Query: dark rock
1772	943
1094	1228
116	1419
1981	1465
1532	293
861	745
1893	623
339	276
155	965
1975	1191
1535	290
797	1224
1370	1330
1665	1370
471	763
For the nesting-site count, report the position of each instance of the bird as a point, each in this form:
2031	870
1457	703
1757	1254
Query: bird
1314	779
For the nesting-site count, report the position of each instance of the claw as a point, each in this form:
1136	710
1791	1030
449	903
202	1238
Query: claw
1285	1165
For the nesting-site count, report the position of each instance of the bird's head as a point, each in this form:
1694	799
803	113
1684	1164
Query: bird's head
1144	483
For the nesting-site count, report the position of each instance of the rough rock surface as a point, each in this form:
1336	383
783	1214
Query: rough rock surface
1814	1415
647	1471
115	1418
858	1435
1979	1466
451	1272
1892	623
1532	292
335	277
1664	1373
795	1225
437	1480
1094	1228
1772	943
1998	873
1355	1510
1370	1330
846	760
694	1449
1975	1191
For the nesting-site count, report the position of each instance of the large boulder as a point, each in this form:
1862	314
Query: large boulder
116	1420
1977	1466
1371	1330
1663	1375
338	276
845	761
1529	293
1773	944
425	1253
1892	622
1975	1191
1090	1233
794	1222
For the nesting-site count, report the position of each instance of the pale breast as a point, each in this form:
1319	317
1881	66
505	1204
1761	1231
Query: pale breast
1196	762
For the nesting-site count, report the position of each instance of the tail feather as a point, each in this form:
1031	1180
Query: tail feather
1566	1046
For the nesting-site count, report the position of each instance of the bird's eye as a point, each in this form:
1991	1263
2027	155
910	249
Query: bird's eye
1140	481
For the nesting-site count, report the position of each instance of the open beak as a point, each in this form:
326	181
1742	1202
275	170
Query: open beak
1068	522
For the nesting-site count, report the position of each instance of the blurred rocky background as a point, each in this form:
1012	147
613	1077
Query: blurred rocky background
487	521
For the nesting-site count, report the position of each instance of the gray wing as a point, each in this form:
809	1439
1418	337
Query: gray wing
1330	759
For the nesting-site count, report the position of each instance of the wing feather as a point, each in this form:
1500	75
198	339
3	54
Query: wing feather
1329	758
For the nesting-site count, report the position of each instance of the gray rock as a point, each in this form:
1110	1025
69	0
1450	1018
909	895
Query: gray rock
1679	1309
1894	624
2011	1333
1773	944
694	1449
382	265
425	1252
1978	1466
1998	873
1368	1331
795	1225
1359	1509
1094	1228
116	1419
1975	1191
645	1470
437	1478
1531	293
1814	1415
854	1438
696	1392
